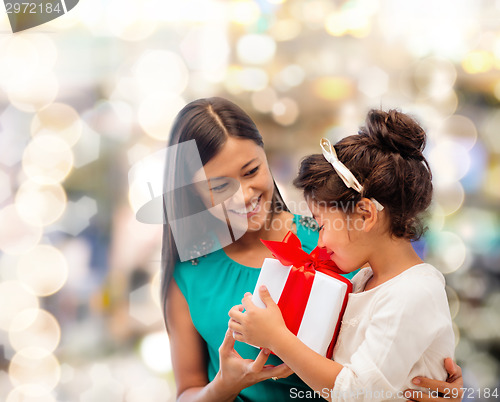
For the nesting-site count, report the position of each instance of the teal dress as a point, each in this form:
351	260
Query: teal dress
212	285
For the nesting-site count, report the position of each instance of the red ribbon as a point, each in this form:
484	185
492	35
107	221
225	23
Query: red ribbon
298	286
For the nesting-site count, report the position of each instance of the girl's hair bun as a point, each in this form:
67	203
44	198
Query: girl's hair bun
395	132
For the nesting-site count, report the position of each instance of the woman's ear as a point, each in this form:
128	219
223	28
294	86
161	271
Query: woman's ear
368	211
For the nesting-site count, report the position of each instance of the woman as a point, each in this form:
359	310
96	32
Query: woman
198	293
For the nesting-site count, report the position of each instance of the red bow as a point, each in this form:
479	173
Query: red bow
289	252
295	294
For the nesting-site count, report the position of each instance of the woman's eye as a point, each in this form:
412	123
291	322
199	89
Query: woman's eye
219	188
253	171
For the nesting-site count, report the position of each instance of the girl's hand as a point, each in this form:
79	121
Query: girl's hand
257	326
449	390
237	373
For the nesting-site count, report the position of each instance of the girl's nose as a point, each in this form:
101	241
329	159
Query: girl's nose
321	244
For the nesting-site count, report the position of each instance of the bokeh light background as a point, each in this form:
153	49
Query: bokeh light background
84	97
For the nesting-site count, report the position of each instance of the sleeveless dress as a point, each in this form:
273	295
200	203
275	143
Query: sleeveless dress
214	283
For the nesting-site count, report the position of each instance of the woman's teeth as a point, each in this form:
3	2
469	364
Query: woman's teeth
245	211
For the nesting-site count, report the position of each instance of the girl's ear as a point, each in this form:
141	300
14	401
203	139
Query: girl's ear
368	211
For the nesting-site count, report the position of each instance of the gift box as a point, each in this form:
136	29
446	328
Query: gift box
308	289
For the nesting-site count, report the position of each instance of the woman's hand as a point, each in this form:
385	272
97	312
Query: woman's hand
449	390
237	373
257	326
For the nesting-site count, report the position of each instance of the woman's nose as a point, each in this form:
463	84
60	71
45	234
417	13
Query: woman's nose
248	193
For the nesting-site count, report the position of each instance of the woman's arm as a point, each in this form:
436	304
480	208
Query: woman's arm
189	354
449	390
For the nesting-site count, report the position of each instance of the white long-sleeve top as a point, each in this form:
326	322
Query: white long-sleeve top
392	333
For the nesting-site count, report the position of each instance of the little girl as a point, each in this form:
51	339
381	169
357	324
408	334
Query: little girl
397	324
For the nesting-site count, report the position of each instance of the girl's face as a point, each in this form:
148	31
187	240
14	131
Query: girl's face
239	178
342	235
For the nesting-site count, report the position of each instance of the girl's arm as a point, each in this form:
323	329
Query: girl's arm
266	328
188	351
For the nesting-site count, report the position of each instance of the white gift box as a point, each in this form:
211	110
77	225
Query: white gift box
325	304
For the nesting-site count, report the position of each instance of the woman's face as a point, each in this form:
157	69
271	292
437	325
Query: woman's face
342	235
238	177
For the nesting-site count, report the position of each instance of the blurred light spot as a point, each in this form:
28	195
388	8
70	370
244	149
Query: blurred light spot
40	203
437	218
138	151
449	162
333	88
478	61
17	236
256	49
285	111
373	82
157	113
460	129
155	352
456	332
206	49
232	81
77	216
155	289
115	119
291	76
335	24
496	90
353	21
43	269
104	387
14	134
152	389
453	301
130	20
14	299
87	149
35	368
141	306
450	196
47	159
285	29
19	61
5	186
253	79
479	228
43	332
30	393
435	77
489	130
492	179
485	368
147	172
448	252
60	120
36	93
161	71
264	100
67	373
243	12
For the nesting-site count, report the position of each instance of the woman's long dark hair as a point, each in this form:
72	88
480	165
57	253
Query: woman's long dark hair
209	122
